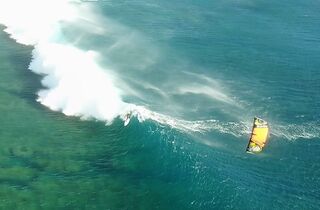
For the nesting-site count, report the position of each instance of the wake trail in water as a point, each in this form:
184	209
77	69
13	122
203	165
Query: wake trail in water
240	129
309	130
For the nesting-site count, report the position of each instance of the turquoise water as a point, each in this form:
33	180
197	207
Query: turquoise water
203	70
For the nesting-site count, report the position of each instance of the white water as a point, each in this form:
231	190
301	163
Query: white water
77	85
74	82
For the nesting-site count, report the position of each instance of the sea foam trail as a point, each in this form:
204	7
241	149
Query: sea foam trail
239	129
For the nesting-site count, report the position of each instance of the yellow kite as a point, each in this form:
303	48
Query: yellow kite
259	135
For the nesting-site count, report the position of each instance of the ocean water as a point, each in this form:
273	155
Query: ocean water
193	74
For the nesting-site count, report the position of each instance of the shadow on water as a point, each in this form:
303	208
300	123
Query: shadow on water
17	57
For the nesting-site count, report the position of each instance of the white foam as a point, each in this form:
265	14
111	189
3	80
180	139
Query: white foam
238	129
75	84
293	131
201	126
28	22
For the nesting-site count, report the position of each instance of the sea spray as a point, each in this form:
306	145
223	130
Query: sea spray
76	84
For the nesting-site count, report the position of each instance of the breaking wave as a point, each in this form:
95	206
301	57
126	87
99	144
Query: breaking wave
77	84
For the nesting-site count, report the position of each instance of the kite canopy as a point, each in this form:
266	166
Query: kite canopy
259	135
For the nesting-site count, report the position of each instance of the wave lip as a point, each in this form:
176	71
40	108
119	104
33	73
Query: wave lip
29	22
76	85
74	82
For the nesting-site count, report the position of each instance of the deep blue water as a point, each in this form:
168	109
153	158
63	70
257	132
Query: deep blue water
216	63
